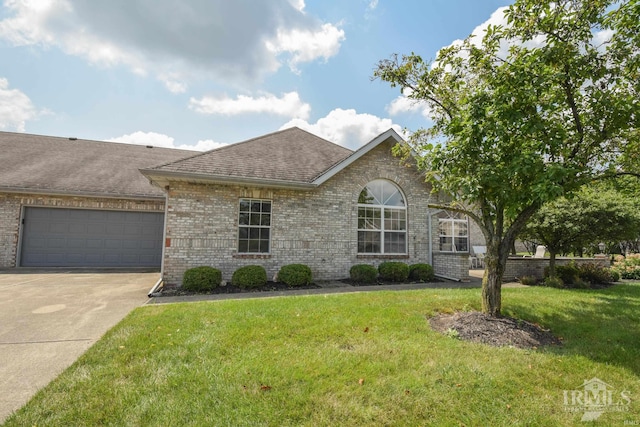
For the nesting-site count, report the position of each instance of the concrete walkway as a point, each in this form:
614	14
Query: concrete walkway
47	320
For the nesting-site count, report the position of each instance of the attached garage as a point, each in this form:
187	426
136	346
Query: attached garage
55	237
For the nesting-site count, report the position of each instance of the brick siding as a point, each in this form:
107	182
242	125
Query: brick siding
316	227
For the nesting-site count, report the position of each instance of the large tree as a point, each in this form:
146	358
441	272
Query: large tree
594	214
529	112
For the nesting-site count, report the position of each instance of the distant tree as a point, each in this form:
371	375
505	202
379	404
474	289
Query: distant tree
530	112
591	216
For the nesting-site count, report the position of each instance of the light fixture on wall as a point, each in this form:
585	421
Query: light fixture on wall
601	246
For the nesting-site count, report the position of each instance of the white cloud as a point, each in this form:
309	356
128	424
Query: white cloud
161	140
288	105
15	108
305	45
174	40
346	127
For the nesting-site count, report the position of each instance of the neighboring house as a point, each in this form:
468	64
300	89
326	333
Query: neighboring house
66	202
292	197
287	197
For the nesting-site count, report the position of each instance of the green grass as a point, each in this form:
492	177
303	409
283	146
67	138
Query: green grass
349	359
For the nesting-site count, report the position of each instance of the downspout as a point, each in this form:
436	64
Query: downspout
430	237
159	283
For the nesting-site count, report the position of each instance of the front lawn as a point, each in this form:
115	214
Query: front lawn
350	359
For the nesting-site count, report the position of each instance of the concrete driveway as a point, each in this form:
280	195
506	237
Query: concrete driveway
47	320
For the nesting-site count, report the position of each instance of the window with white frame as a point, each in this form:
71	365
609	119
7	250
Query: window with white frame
382	219
453	228
254	226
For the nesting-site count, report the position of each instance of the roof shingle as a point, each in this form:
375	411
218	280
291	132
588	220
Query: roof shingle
290	155
65	165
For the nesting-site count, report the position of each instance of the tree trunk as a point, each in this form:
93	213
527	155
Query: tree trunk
552	263
492	280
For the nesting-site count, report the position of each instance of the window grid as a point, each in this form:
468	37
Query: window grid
382	227
454	234
254	226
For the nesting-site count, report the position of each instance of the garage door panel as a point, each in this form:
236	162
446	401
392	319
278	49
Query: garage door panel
112	244
84	238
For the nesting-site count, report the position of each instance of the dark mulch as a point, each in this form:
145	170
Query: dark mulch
495	331
231	289
382	283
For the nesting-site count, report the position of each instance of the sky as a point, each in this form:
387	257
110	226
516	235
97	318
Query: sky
200	74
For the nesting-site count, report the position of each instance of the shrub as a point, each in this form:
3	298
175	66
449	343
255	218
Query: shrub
363	273
553	282
295	275
201	279
628	267
594	274
394	271
579	283
528	280
249	277
567	273
615	276
421	272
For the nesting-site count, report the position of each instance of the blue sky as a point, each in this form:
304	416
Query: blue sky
200	73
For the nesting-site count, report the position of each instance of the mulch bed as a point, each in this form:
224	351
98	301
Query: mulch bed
231	289
381	283
496	331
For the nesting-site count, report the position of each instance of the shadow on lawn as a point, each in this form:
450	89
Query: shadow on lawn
602	325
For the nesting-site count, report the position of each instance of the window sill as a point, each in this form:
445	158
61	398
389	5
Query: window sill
382	256
252	256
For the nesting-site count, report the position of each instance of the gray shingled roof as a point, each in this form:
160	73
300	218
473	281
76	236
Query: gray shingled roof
45	164
291	155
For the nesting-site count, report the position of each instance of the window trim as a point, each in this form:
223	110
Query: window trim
382	231
451	220
239	226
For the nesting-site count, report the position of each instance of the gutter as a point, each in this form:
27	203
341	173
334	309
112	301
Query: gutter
54	192
153	292
162	178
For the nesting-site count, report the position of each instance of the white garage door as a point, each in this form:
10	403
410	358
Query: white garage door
91	238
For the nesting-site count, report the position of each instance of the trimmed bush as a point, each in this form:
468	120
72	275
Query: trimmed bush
295	275
594	274
363	273
567	273
394	271
528	280
249	277
553	282
615	276
421	272
201	279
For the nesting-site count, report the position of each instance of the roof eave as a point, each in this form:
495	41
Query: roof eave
71	193
163	179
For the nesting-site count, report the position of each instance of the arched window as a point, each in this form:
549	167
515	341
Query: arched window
382	219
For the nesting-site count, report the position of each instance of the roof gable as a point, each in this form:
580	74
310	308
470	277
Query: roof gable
291	158
54	165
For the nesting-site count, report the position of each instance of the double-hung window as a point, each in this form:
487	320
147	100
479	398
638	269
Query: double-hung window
254	226
382	219
453	229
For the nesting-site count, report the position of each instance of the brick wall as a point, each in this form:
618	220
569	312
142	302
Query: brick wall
518	267
451	265
11	210
316	227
